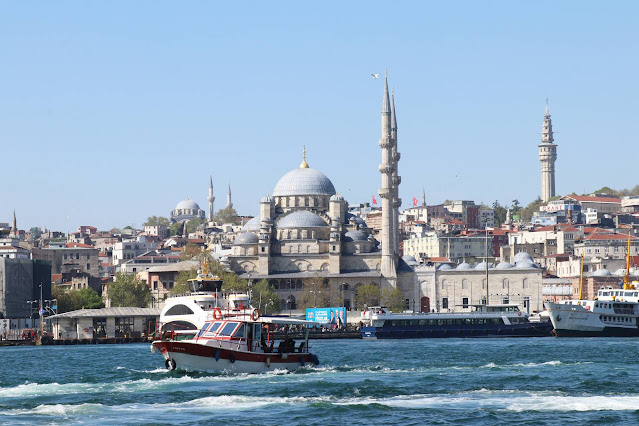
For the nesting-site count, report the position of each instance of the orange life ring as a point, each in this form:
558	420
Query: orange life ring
519	313
255	315
217	313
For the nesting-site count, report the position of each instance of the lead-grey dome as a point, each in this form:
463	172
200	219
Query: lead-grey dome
304	181
601	273
301	219
358	220
482	266
187	205
526	264
503	265
522	256
246	238
444	267
463	265
252	225
356	236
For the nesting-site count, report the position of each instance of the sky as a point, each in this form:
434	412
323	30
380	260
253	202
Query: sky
111	112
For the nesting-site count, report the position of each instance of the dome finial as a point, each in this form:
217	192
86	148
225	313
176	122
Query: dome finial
304	164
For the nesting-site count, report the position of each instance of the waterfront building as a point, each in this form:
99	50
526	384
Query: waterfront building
456	289
124	322
547	157
20	281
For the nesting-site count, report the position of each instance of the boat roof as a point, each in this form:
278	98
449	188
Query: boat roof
271	320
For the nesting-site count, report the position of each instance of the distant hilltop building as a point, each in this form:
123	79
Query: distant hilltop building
186	210
547	157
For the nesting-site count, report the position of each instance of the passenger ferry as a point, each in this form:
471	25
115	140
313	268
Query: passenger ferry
613	312
484	321
204	302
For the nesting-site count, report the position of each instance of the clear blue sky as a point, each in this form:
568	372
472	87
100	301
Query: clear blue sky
112	112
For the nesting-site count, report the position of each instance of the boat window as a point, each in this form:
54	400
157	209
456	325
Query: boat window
179	310
240	332
215	327
227	330
203	329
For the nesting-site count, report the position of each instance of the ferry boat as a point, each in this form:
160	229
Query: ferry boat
613	312
203	303
505	320
240	344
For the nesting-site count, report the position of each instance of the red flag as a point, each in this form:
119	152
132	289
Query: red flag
374	200
415	201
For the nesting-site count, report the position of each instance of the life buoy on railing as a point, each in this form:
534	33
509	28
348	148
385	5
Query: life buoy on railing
519	313
255	315
217	313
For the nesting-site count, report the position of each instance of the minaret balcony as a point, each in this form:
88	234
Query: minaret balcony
385	193
385	168
385	143
396	156
397	180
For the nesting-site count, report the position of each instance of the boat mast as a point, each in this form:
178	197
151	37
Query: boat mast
581	277
626	278
486	251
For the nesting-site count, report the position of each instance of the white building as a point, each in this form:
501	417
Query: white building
456	249
129	249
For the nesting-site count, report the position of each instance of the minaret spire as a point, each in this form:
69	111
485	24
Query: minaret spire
14	225
229	203
304	164
423	197
211	199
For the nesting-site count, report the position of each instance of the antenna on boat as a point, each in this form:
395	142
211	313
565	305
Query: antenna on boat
581	277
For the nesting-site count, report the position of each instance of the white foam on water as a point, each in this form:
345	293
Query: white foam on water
57	410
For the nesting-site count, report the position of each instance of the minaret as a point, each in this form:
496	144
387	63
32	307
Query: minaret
185	232
396	180
386	192
211	199
229	204
547	157
14	225
423	197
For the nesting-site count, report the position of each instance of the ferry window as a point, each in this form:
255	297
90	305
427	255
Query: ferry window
179	310
227	330
240	332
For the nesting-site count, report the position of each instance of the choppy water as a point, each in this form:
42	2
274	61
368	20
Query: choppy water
483	381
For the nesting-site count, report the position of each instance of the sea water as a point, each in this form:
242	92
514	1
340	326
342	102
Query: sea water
421	381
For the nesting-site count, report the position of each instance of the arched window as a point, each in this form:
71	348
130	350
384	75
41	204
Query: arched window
299	248
443	284
525	283
464	284
483	284
505	284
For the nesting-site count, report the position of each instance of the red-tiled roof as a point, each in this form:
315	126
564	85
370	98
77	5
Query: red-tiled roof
610	236
56	277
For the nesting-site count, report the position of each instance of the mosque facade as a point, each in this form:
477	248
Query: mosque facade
186	210
305	231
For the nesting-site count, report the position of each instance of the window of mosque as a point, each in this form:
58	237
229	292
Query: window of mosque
505	283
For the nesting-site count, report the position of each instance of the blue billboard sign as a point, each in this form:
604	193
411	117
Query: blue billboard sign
327	316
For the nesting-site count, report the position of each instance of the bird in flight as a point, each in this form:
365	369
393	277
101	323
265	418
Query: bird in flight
375	76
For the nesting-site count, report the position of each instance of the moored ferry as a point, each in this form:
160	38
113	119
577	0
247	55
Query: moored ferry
484	321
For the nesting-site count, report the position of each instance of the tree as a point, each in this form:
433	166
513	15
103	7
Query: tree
155	220
72	300
226	215
264	297
515	207
115	231
393	299
526	213
129	290
368	294
318	293
191	252
193	224
176	228
500	213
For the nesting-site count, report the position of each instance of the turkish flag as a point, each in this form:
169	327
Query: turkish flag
415	201
374	200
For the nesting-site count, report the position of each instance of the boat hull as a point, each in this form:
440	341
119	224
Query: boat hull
537	329
576	321
197	357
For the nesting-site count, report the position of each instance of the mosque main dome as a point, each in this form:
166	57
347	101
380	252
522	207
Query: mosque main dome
187	204
304	181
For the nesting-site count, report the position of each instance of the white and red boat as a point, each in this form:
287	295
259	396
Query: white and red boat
240	344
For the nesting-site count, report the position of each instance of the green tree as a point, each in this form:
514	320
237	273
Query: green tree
500	213
72	300
193	224
393	299
90	299
157	220
264	297
368	294
526	213
129	290
191	252
226	215
318	293
515	207
176	228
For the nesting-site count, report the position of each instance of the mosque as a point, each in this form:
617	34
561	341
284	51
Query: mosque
304	231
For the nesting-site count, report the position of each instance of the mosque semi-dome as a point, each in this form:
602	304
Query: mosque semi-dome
246	238
463	265
503	265
444	267
482	266
304	181
601	273
355	236
522	256
301	219
252	225
525	264
187	204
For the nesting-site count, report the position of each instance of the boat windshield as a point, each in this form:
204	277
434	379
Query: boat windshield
228	329
210	328
240	332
